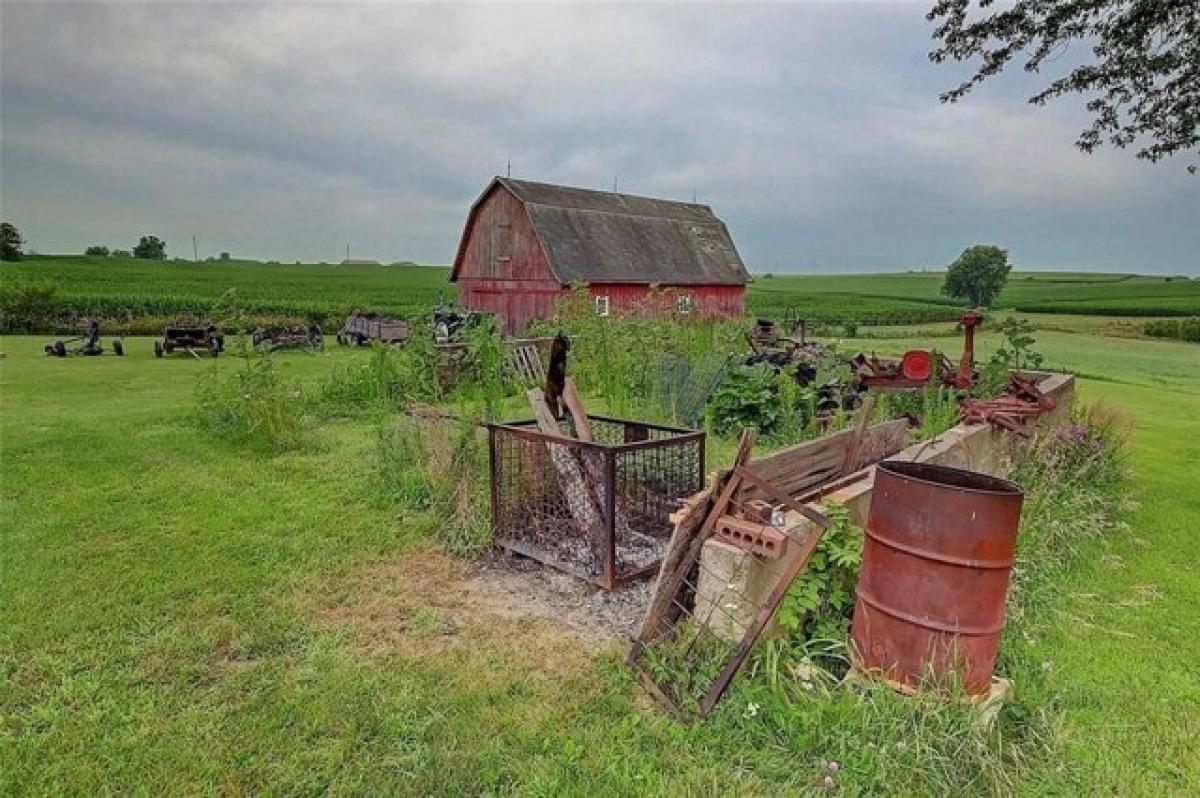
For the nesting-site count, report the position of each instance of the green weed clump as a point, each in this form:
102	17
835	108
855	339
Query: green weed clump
435	468
252	407
1075	480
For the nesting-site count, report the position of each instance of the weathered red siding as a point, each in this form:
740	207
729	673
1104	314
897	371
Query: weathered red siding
504	271
707	300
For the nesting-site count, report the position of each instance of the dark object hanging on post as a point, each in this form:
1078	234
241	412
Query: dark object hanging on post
556	373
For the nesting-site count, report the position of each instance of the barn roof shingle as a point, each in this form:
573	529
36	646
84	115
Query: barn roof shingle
605	237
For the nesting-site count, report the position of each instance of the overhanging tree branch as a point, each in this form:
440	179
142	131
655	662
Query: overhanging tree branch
1143	81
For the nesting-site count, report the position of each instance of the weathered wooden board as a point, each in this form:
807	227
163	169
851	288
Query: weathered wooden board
799	468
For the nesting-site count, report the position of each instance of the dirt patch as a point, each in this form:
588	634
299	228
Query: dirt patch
425	603
513	586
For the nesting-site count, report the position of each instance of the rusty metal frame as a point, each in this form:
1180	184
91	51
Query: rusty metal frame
609	578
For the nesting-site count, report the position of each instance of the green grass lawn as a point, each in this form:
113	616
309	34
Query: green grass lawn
178	616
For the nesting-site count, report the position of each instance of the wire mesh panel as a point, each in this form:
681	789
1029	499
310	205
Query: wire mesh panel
599	509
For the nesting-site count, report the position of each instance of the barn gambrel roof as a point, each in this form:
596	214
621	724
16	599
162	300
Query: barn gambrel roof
605	237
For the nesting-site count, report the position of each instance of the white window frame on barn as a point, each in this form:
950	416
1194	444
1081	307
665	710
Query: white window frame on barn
683	304
602	305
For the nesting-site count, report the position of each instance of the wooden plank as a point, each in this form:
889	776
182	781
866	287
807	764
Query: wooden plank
860	427
574	403
577	489
807	465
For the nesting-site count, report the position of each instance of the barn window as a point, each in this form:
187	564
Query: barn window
602	306
683	304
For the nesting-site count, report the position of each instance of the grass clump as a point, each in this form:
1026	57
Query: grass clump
254	407
435	469
1179	329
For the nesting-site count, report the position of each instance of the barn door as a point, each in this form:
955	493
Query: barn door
502	248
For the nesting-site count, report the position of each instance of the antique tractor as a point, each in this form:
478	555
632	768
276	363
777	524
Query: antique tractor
191	339
87	344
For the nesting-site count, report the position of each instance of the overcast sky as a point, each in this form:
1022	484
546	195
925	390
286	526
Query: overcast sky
287	131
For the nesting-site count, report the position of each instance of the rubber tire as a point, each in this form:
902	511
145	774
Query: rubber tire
158	349
60	349
118	348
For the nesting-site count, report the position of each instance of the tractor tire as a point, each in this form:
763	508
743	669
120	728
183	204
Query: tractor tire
60	349
360	339
118	347
158	349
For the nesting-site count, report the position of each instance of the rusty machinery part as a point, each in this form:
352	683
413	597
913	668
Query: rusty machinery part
1021	403
919	368
939	547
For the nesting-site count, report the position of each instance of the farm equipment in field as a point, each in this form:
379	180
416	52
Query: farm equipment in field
362	328
919	368
86	344
191	339
450	324
310	338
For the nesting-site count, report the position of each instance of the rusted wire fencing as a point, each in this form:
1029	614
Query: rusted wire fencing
598	509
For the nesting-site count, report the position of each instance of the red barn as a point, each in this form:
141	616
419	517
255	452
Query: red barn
524	243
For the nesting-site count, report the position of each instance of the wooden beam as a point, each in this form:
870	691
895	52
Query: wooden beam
574	403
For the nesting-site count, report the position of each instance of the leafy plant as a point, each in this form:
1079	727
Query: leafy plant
747	397
821	600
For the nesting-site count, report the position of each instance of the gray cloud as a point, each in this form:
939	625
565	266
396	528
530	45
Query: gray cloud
284	131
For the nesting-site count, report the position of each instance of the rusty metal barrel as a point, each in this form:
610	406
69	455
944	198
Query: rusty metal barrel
940	546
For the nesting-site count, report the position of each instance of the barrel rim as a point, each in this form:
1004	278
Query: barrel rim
985	484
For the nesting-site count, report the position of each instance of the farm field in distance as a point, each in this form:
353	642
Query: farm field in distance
178	615
114	286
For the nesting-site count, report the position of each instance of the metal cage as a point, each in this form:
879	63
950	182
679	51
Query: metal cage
597	510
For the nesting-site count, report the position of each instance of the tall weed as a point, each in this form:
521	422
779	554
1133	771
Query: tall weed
252	406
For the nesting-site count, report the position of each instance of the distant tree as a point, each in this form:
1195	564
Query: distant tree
122	253
97	250
224	256
10	242
1141	76
150	248
978	275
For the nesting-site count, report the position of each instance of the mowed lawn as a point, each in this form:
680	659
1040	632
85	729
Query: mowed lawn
177	616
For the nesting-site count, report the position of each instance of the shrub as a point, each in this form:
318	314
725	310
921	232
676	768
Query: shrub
1180	329
96	251
27	305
